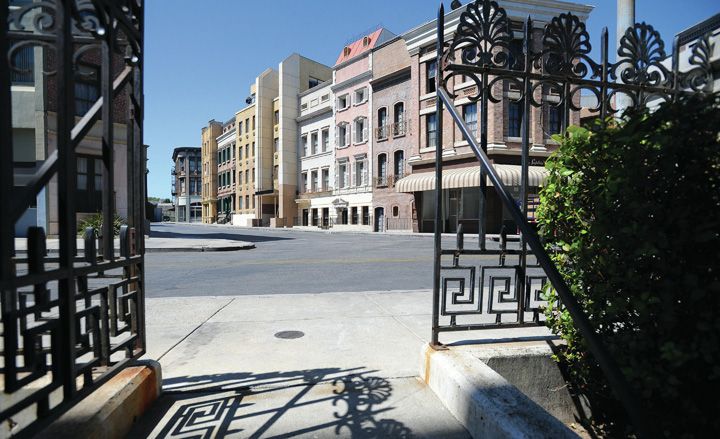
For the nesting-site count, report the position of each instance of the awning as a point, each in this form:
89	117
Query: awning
470	177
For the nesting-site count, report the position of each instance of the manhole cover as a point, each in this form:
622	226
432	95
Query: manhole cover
289	335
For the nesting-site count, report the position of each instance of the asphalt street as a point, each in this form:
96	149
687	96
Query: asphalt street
287	261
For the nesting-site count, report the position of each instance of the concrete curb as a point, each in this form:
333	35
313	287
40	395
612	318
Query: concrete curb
484	402
111	410
228	248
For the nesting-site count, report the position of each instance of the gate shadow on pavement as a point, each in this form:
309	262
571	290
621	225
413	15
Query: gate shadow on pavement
326	402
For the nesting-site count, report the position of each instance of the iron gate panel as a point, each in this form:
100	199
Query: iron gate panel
482	50
71	319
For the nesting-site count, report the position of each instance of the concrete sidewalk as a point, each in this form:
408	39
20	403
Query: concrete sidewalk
306	365
490	236
156	245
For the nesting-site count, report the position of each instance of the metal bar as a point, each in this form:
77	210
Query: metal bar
438	178
482	201
7	224
604	72
524	166
108	144
66	194
603	357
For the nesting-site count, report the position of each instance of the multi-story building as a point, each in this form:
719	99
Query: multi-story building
209	136
317	158
392	137
276	157
187	184
461	169
351	86
226	172
245	163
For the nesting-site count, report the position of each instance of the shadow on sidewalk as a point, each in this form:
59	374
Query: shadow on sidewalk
317	403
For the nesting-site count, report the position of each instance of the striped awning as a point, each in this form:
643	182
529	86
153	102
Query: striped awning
470	177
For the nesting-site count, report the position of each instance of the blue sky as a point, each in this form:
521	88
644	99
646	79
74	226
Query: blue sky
201	56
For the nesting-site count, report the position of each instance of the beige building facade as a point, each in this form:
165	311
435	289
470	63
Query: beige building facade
245	121
209	171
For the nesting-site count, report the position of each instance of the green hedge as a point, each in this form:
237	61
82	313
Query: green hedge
631	214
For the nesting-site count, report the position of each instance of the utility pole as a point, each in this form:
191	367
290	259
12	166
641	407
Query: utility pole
625	19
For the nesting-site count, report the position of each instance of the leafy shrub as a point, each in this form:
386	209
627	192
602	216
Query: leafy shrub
631	215
96	221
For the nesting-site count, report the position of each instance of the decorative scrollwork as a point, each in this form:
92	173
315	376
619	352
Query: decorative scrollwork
40	16
566	48
699	77
642	51
485	34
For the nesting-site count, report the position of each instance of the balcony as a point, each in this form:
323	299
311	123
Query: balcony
320	192
387	181
398	129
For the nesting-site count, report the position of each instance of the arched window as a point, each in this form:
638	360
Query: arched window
399	161
382	170
395	211
382	131
399	125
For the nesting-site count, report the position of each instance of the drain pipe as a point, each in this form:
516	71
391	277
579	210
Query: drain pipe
625	19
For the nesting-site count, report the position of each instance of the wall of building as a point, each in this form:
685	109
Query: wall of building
391	86
209	136
245	166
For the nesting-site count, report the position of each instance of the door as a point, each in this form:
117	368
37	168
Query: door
379	219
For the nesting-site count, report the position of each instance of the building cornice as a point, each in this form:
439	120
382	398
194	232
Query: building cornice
352	81
315	113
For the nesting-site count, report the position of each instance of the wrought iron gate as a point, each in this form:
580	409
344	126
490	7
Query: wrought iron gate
74	318
507	294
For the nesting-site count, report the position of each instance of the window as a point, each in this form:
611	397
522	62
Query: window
324	98
366	216
240	202
360	130
382	170
342	175
304	182
515	113
325	139
354	215
247	202
470	117
431	130
313	82
314	143
253	123
239	130
277	117
314	217
304	146
395	211
382	124
343	135
360	173
276	145
431	72
247	176
240	153
399	160
314	180
360	96
87	89
247	126
343	102
554	124
325	180
399	119
24	62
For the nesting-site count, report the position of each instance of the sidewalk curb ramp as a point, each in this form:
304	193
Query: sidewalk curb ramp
111	410
484	402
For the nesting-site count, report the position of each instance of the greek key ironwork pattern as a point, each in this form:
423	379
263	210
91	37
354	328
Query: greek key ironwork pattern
72	314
